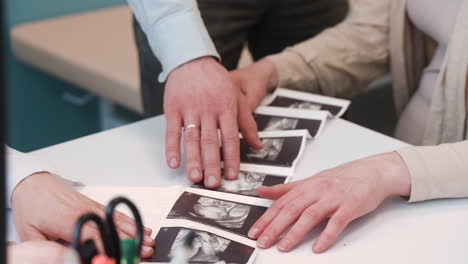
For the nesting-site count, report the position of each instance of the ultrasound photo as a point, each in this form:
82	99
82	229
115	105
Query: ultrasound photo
275	123
281	101
229	216
247	183
206	247
280	152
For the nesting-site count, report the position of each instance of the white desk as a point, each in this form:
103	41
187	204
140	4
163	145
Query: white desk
432	232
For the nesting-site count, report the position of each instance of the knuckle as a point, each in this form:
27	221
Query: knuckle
340	220
192	136
295	234
212	166
275	207
292	210
273	231
209	141
192	162
228	104
310	214
173	132
231	138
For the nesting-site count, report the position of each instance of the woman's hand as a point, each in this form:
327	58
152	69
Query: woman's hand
46	209
39	252
341	194
255	81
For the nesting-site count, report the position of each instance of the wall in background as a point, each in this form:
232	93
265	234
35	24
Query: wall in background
37	116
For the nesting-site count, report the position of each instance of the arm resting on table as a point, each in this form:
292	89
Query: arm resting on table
437	171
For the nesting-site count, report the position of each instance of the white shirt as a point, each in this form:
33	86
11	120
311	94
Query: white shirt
175	31
18	167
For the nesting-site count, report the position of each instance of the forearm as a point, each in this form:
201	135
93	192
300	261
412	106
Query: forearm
341	60
437	171
175	31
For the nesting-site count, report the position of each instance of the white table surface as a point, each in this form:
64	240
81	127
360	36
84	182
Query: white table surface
431	232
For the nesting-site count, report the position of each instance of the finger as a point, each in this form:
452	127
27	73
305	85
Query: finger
311	217
173	133
287	216
147	251
264	221
91	232
192	148
275	192
211	152
248	126
335	226
230	139
126	226
30	233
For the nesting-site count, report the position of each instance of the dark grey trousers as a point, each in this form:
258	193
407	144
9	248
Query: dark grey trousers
267	26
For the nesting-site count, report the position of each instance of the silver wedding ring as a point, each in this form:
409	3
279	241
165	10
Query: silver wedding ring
191	126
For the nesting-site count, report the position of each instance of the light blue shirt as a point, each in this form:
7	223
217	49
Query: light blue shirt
175	31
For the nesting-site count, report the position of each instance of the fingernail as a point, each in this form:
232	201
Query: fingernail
253	232
284	245
148	239
195	175
147	249
318	248
173	163
263	241
231	173
259	142
211	181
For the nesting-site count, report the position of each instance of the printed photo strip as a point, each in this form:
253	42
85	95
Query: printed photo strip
278	118
246	184
229	216
280	152
205	247
287	98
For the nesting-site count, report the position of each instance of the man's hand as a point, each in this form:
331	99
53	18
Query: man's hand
46	209
341	194
256	81
201	97
39	252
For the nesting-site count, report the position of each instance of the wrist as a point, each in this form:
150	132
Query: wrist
395	175
198	62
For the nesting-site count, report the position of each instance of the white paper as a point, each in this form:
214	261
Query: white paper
315	101
292	118
261	161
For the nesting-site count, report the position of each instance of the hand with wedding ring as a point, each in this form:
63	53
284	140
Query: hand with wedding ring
200	97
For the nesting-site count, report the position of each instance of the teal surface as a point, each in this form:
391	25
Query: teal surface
37	116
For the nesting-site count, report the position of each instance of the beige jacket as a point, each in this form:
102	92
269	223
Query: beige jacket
345	59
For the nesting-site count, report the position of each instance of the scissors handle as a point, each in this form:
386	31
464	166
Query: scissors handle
76	243
116	252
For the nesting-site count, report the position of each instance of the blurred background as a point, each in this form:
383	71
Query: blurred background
43	107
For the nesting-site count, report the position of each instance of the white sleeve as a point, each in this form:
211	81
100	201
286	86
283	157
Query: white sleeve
18	167
175	31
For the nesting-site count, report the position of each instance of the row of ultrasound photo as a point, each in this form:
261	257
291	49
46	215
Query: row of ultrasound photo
220	219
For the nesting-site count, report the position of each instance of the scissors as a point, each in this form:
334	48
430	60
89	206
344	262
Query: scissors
116	251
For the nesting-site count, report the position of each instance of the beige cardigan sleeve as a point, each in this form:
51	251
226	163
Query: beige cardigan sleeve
437	171
344	59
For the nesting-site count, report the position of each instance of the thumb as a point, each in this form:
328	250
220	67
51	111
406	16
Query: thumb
275	192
